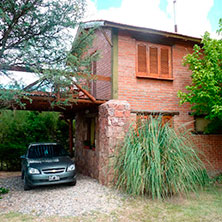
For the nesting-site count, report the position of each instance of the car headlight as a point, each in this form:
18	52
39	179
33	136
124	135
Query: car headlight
71	167
33	171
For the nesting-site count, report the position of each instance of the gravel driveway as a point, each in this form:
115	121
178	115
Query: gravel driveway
62	200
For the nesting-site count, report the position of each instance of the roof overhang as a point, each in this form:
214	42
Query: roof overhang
141	30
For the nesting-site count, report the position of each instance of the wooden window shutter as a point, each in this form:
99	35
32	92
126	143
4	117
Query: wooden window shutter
142	61
153	60
164	61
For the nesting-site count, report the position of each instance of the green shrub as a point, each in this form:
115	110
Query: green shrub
10	156
156	160
217	179
3	191
20	128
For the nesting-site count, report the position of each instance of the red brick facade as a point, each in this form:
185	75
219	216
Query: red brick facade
103	65
211	146
146	94
143	95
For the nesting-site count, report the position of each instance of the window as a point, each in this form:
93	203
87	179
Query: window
153	61
89	143
165	119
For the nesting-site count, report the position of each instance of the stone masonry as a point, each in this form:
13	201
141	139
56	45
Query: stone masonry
114	120
86	159
111	126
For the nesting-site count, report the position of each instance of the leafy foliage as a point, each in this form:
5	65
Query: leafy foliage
37	35
204	93
158	161
217	179
35	32
19	128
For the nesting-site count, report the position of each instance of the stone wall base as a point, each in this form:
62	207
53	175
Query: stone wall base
112	123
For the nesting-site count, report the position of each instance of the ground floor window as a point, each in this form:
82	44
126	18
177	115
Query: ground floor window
143	117
89	143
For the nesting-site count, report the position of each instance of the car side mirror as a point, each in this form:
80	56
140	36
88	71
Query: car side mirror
23	156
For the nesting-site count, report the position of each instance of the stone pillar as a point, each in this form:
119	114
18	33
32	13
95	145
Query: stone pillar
114	121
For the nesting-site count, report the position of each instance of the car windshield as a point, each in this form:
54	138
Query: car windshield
41	151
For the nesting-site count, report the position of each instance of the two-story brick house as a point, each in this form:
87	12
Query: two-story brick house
145	70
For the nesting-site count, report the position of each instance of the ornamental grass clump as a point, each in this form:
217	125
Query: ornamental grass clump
156	160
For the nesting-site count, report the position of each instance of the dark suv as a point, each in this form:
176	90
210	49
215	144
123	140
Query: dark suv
45	164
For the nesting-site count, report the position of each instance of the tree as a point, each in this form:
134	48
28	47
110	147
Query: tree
35	35
205	91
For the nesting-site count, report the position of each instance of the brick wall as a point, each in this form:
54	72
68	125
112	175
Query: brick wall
211	146
161	95
103	88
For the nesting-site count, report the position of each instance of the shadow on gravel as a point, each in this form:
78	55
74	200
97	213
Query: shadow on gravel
15	183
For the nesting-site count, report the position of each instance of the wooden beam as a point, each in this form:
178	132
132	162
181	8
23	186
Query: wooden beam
16	68
115	64
155	112
51	99
106	37
79	101
85	92
31	85
90	76
95	77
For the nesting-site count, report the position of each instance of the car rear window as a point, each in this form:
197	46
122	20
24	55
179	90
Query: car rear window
41	151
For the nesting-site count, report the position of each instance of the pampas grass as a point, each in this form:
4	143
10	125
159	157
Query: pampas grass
158	161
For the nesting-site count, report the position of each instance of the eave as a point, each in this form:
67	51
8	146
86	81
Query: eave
136	29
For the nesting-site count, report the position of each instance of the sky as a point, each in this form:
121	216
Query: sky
193	17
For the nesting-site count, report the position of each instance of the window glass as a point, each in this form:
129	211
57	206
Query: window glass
41	151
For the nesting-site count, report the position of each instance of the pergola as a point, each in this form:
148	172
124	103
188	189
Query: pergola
76	99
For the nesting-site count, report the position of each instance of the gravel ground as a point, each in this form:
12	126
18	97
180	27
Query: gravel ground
58	200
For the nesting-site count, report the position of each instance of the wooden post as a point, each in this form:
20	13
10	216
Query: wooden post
71	137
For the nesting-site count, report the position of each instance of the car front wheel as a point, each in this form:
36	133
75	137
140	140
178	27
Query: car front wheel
22	175
26	185
73	183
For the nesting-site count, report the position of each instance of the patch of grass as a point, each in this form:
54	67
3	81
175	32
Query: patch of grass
3	191
14	217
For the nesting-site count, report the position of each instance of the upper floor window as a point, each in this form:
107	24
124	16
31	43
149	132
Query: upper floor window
153	60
